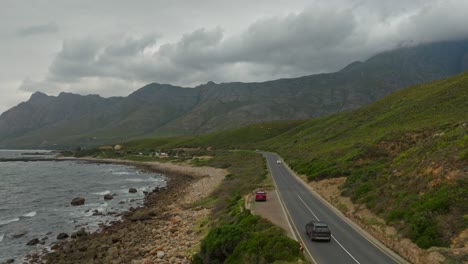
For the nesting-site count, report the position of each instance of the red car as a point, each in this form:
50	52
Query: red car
260	196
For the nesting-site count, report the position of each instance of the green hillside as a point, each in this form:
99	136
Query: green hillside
405	156
244	137
419	110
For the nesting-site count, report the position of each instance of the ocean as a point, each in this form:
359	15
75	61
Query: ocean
35	198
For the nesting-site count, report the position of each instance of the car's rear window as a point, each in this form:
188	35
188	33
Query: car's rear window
321	229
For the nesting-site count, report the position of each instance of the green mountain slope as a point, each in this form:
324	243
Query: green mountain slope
405	156
244	137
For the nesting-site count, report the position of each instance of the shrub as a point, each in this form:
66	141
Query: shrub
220	243
262	247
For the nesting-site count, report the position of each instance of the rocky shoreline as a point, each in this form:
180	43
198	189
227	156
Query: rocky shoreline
165	230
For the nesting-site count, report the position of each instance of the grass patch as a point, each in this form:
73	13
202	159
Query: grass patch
372	221
342	207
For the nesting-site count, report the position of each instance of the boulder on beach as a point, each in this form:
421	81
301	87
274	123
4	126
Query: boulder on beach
62	236
161	254
132	190
108	197
140	215
55	246
78	201
33	242
79	233
96	212
115	239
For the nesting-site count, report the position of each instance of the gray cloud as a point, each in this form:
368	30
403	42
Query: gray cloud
99	58
444	20
39	29
322	38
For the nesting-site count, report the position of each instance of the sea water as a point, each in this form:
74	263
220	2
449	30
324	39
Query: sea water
35	198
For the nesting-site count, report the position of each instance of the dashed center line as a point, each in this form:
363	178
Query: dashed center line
316	217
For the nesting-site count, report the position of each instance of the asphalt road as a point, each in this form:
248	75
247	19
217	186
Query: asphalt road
347	244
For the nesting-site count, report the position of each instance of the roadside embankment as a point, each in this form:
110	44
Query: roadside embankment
330	189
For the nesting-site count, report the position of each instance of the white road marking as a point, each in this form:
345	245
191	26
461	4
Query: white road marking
316	217
332	235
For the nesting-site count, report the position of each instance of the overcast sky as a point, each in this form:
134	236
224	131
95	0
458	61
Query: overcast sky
113	47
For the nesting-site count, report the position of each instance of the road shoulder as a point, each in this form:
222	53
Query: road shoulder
270	209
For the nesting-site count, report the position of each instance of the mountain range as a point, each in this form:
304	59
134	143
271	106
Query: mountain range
70	120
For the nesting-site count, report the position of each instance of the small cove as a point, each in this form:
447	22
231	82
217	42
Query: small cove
35	199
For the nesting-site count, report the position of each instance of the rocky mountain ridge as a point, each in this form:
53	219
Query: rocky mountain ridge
164	110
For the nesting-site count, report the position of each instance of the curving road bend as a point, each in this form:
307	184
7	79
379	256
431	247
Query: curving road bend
301	206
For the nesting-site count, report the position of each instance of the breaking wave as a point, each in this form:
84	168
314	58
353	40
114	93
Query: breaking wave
6	222
102	193
30	214
141	180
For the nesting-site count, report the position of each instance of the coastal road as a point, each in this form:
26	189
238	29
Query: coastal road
302	205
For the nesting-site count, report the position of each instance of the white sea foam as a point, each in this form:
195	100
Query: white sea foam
102	193
121	173
1	237
141	180
6	222
101	207
30	214
92	205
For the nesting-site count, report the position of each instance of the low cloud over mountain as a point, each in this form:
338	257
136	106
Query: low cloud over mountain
187	50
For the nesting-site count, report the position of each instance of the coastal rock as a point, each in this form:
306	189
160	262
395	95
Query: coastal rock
55	246
132	190
96	212
161	254
140	216
108	197
79	233
115	239
176	219
113	251
8	261
78	201
33	242
62	236
82	248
